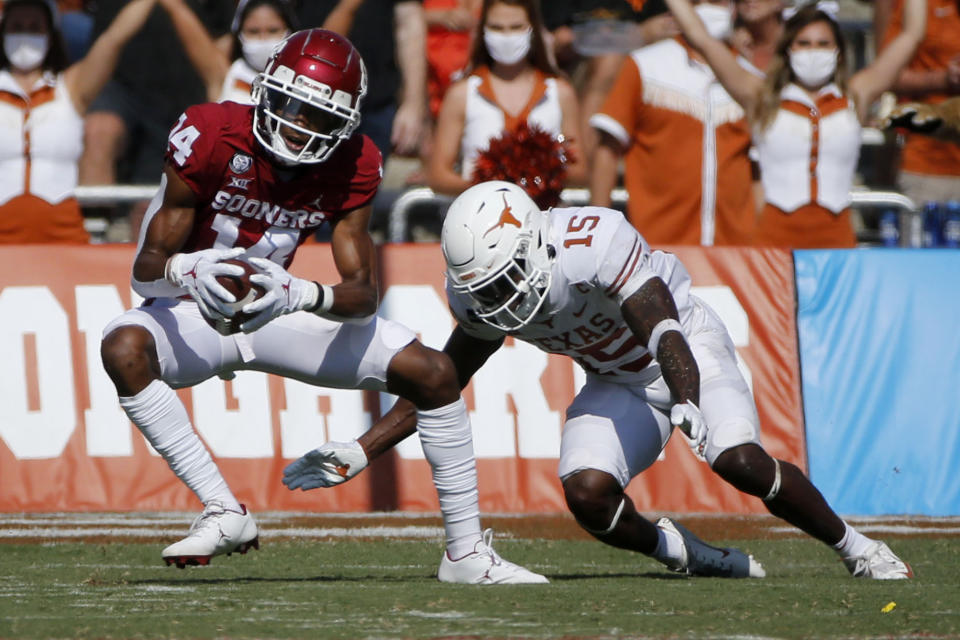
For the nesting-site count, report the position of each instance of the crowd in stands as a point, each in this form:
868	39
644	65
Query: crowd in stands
728	122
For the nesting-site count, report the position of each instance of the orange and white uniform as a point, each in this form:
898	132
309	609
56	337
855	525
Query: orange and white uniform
41	139
619	420
808	156
924	154
237	83
486	119
687	170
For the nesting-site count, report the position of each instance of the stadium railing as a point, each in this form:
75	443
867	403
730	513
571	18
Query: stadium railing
868	202
863	199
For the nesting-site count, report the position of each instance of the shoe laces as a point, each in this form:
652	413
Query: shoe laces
211	512
486	540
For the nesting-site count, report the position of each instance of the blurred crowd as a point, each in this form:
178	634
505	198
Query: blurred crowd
725	122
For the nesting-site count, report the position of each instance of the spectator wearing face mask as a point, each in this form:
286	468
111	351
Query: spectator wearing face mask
258	27
511	81
684	140
42	102
806	117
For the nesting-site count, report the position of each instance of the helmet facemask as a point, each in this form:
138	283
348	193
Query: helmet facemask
510	294
300	120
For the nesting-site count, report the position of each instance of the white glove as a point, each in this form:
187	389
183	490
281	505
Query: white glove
285	293
326	466
197	272
690	421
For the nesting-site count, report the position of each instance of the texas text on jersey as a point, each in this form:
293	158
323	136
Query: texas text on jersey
600	261
244	199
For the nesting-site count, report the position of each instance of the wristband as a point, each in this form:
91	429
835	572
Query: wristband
324	299
662	327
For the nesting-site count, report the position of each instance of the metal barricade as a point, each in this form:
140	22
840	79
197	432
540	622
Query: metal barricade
909	214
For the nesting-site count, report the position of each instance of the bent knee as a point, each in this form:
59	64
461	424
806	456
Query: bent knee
593	498
129	358
747	467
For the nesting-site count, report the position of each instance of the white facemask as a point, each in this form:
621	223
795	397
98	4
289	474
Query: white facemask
26	51
717	19
507	48
257	52
813	67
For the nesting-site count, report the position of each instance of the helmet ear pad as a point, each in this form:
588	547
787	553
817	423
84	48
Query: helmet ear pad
494	241
308	96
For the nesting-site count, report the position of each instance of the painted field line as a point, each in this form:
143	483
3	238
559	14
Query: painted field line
283	532
885	528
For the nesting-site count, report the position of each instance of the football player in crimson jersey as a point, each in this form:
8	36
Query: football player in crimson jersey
255	182
582	282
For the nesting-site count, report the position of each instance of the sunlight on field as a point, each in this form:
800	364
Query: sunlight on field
314	578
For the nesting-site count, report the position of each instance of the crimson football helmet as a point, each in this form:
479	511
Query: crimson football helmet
308	96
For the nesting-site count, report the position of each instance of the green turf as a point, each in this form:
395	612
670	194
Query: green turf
375	589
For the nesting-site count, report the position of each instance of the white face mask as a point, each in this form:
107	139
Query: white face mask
26	51
813	67
507	48
257	52
717	19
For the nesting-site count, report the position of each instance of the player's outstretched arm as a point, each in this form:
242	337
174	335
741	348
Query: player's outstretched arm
651	314
334	463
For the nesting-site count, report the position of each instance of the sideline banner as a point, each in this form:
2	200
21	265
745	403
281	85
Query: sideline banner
881	367
66	445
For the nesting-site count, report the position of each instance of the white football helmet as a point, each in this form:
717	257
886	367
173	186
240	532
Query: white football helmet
494	240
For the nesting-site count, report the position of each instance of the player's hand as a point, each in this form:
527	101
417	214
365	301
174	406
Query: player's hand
285	293
197	272
689	420
327	466
914	116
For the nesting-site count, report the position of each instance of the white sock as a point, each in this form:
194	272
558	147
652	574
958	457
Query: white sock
668	548
853	543
448	445
163	420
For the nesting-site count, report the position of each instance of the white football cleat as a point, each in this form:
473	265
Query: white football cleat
879	563
485	566
216	531
701	559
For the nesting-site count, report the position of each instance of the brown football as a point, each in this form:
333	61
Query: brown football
245	293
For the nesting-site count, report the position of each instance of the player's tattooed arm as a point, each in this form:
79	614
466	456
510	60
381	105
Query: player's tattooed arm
645	312
356	296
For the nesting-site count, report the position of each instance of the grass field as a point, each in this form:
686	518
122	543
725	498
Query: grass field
100	575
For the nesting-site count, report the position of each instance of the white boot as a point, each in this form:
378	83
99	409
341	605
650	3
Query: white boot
879	563
485	566
215	531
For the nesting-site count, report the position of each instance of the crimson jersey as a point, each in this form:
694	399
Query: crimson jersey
245	200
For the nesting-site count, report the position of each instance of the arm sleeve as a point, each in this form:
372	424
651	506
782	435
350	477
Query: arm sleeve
620	110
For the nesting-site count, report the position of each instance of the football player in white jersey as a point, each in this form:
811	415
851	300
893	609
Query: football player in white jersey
582	282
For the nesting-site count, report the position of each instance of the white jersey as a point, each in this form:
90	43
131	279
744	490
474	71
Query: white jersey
237	82
601	261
